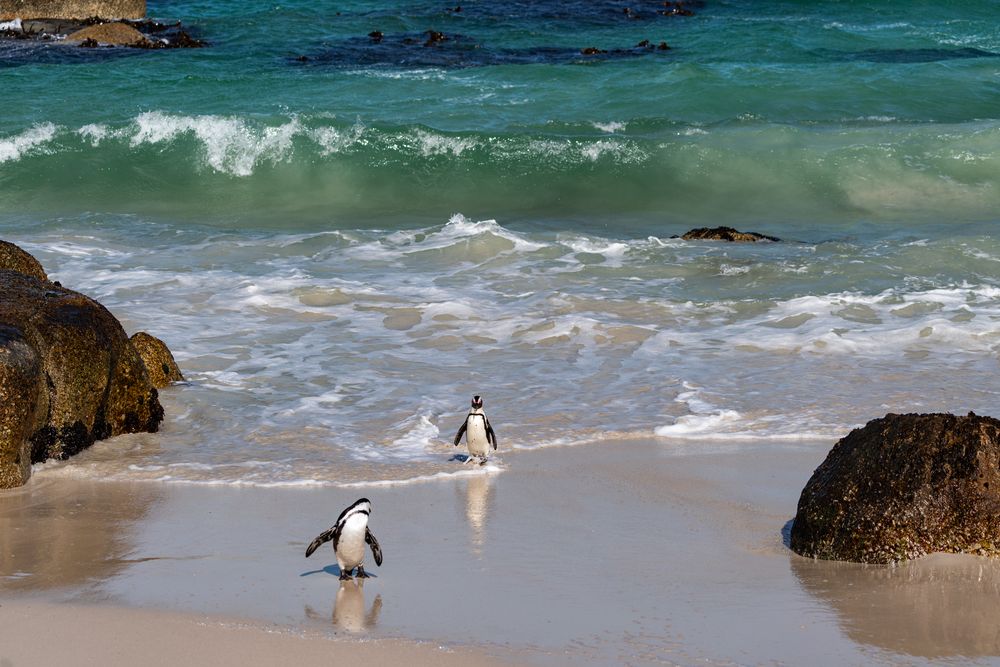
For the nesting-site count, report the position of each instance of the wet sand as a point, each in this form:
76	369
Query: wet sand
627	552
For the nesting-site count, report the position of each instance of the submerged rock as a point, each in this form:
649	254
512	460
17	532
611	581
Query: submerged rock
68	376
94	31
115	34
904	486
157	358
71	9
724	233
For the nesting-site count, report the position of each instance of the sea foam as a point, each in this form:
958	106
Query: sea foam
26	143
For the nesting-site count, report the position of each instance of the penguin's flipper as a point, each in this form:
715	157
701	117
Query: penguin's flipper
490	435
322	538
461	432
376	549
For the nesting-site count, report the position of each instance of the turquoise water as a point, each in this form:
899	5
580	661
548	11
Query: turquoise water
342	239
771	113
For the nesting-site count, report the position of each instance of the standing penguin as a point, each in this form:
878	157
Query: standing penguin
349	536
478	432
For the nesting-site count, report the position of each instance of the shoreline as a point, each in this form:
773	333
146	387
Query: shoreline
624	552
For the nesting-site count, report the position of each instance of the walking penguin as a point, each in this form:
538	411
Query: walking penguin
349	535
478	433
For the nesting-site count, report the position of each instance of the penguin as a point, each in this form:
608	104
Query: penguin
349	536
478	432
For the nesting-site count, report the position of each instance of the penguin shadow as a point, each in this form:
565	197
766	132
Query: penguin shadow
349	608
472	460
334	570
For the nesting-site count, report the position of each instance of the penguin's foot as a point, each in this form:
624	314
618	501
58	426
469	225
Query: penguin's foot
361	573
345	575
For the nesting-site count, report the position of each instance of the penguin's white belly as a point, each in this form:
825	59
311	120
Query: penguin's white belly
351	546
475	436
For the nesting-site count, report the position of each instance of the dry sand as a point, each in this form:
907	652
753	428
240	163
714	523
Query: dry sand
629	552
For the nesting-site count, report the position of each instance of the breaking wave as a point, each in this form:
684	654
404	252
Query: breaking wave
872	167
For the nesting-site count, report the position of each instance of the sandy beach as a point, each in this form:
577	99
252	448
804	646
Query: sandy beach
631	552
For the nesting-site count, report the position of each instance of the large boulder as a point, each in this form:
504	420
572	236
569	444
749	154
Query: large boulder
903	486
68	376
71	9
156	356
13	258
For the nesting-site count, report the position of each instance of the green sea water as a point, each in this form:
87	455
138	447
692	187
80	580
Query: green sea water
763	113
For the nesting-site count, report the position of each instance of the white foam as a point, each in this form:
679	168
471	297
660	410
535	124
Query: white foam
419	438
621	152
610	128
460	227
470	471
95	133
731	270
609	249
69	470
312	404
436	144
332	140
13	148
705	418
10	25
230	145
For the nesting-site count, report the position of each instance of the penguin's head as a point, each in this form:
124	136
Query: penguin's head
477	401
361	504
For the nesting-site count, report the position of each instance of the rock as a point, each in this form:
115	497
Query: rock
435	37
182	40
68	376
13	258
904	486
117	34
71	9
93	32
156	356
23	405
725	234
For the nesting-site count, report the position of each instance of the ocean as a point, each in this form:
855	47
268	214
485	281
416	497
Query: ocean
342	238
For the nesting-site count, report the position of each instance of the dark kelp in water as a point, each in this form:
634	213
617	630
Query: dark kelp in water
437	49
452	37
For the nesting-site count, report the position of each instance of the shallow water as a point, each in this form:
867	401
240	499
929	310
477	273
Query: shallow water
341	251
610	553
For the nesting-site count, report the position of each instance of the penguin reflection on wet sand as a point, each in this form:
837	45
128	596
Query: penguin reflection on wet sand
349	535
478	433
349	608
